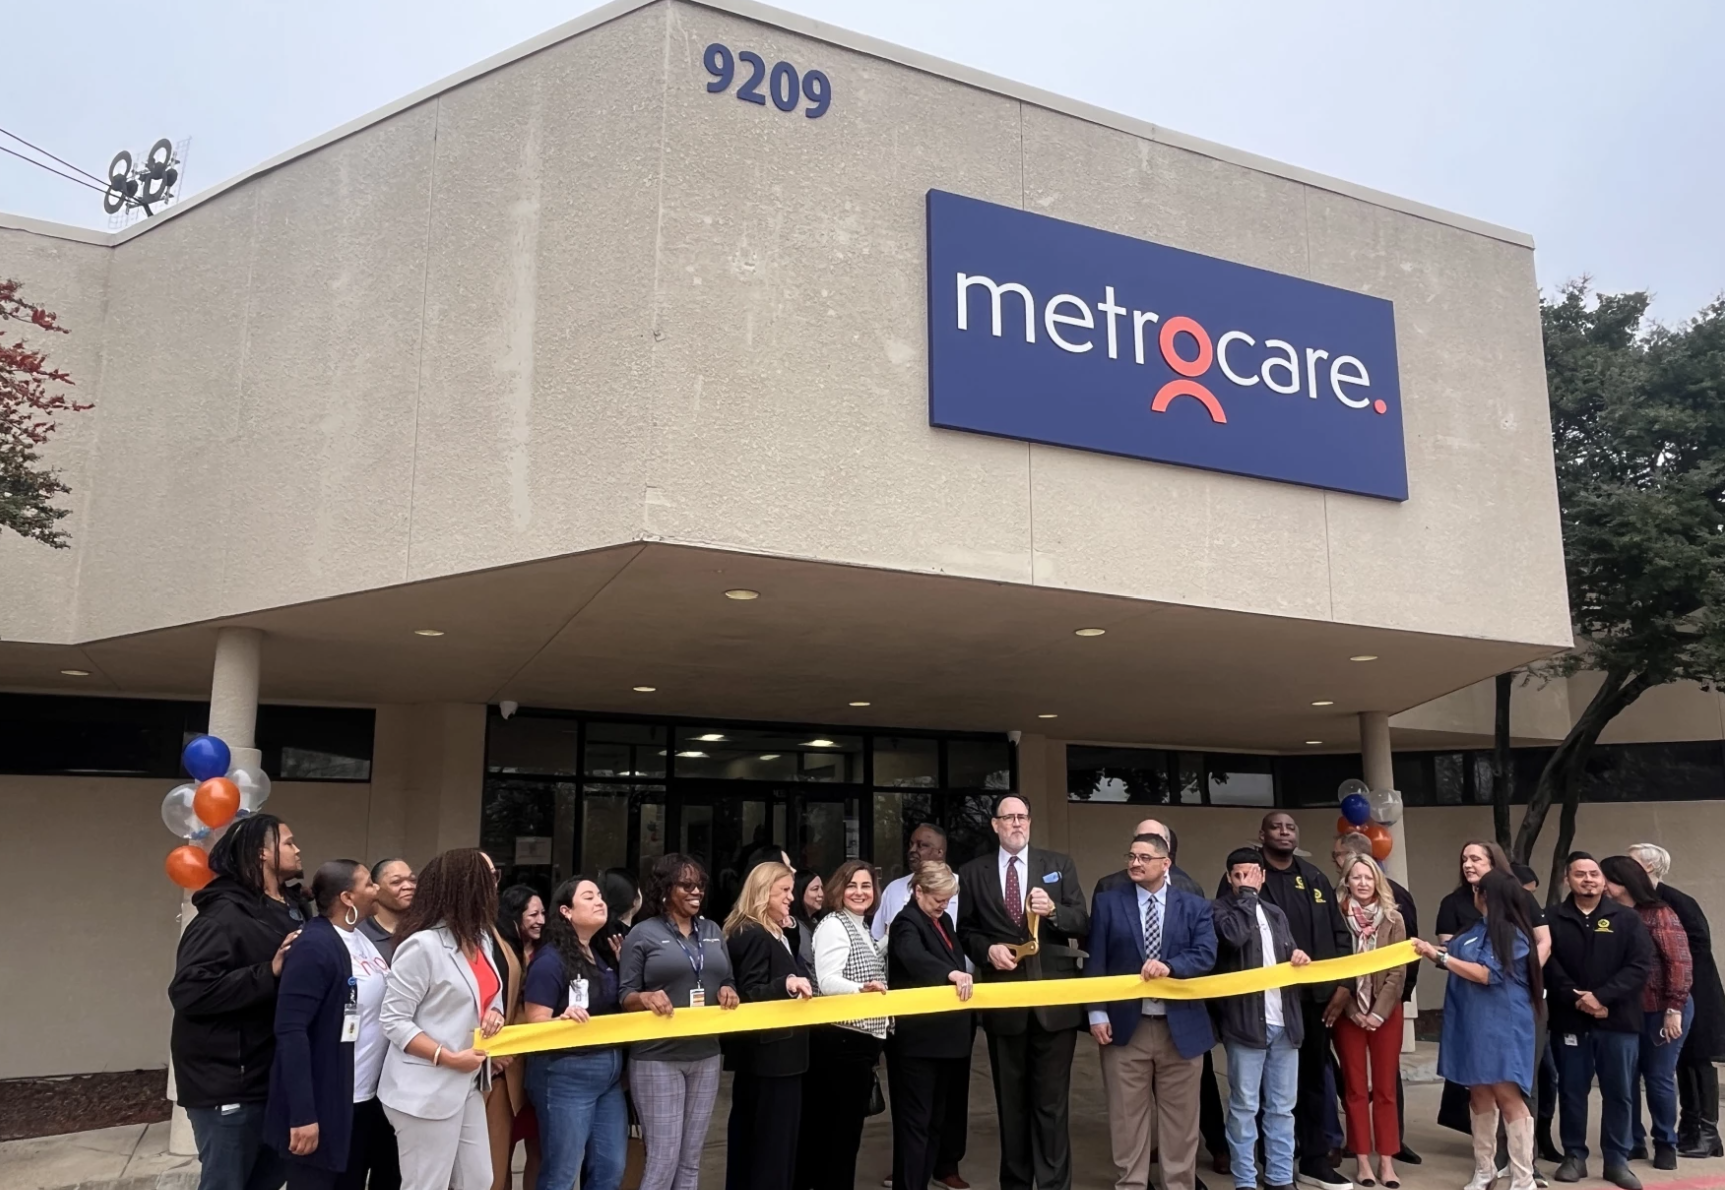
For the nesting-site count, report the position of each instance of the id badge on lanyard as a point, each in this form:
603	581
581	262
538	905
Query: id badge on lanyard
350	1012
578	995
697	962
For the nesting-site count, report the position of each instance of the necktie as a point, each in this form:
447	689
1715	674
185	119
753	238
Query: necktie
1014	894
1152	930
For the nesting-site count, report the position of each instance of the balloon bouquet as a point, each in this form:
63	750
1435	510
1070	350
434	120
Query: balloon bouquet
201	811
1369	812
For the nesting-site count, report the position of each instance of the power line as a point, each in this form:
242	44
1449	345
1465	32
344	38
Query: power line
39	149
99	189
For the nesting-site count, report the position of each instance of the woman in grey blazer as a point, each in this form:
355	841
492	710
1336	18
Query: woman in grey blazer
445	982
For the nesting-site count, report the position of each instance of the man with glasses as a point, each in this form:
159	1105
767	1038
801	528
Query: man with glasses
1014	896
1152	1050
1212	1124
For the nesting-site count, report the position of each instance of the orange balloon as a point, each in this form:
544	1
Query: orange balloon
1344	827
189	867
1382	842
216	801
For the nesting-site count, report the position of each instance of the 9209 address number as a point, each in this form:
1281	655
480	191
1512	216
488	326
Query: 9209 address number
783	84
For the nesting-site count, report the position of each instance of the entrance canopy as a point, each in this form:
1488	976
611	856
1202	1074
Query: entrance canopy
817	643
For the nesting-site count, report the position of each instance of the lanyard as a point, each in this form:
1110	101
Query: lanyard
698	960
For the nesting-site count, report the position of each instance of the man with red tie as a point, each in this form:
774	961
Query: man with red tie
1011	896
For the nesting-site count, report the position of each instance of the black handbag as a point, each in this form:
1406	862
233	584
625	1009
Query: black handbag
876	1101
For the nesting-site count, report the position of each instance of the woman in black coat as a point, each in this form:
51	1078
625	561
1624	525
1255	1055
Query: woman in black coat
767	1091
926	1055
1697	1077
320	1025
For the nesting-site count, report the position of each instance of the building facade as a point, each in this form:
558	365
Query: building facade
585	387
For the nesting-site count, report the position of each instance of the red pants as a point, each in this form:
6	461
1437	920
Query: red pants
1382	1052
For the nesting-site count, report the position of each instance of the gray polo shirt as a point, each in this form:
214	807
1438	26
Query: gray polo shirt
656	958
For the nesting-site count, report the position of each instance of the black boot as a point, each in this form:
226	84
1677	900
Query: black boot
1542	1140
1706	1144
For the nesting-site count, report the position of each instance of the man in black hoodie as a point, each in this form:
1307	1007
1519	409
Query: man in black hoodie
1601	956
1307	899
224	999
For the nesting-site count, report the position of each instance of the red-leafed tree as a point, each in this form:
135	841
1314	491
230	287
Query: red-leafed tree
32	396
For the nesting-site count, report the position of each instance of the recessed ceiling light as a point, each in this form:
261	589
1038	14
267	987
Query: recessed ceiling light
1313	743
1091	632
1324	702
742	593
76	673
859	703
710	738
769	756
693	755
428	632
820	744
1050	716
1364	657
645	689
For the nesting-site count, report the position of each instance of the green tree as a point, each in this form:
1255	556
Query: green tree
32	396
1638	433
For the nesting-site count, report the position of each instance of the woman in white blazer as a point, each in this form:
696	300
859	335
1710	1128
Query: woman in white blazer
446	981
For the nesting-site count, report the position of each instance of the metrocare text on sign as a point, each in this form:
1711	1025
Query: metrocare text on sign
1053	332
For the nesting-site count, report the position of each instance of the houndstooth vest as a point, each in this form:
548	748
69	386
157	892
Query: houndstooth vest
862	964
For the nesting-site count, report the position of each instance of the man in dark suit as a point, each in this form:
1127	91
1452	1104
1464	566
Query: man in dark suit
1152	1050
1006	893
1212	1124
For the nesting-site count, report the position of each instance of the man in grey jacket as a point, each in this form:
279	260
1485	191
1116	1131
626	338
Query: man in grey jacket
1261	1032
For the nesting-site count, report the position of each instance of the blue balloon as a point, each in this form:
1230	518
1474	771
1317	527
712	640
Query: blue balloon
205	757
1355	808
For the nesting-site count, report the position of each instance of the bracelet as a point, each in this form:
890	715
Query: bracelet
1442	959
437	1055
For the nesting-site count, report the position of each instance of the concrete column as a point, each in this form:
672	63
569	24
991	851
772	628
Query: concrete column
1377	766
234	721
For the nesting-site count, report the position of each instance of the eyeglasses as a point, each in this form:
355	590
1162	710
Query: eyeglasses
690	888
1142	857
1012	818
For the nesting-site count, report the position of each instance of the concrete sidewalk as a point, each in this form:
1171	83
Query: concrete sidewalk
136	1158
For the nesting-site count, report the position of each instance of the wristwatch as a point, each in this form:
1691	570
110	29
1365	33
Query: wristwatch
1442	959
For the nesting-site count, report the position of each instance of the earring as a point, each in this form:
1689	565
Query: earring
352	917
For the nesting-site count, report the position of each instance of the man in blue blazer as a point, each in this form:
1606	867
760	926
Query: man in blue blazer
1152	1050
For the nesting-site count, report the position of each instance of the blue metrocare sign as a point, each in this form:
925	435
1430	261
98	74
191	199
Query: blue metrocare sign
1053	332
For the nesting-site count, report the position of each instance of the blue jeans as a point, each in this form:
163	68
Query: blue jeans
231	1149
1657	1069
1274	1075
1612	1056
578	1097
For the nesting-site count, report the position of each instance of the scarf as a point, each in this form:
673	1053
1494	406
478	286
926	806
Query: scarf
1363	922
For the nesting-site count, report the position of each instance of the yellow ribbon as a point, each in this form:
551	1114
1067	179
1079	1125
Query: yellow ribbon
628	1028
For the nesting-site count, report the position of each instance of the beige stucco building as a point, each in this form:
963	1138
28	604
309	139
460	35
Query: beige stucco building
548	358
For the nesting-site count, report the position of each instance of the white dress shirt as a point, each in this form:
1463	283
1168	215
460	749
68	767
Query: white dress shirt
1272	998
1147	1006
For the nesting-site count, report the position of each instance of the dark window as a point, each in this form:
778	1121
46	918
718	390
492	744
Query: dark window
139	737
979	764
1137	775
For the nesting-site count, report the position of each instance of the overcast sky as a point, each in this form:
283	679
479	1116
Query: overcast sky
1594	126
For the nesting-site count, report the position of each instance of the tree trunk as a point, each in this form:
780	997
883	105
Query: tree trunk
1500	765
1563	771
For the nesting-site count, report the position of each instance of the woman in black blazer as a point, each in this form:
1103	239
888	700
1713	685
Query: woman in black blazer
324	1020
926	1055
766	1094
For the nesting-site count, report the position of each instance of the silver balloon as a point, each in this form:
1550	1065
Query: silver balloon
1351	786
179	816
254	786
1386	806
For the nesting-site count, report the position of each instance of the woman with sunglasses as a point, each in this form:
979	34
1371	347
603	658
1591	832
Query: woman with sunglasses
674	958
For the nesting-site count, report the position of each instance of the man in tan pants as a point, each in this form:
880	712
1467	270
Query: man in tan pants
1152	1050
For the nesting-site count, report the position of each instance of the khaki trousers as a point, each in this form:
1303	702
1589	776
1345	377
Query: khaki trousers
1147	1080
